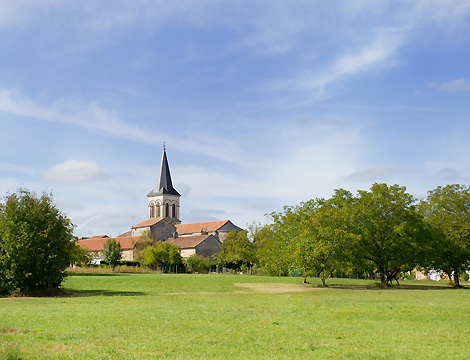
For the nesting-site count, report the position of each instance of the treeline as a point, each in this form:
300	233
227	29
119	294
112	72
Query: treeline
384	231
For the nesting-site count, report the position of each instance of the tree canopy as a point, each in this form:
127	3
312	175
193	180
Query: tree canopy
376	231
237	251
322	243
36	243
144	241
164	255
447	209
390	234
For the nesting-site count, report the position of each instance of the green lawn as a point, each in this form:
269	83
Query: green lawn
157	316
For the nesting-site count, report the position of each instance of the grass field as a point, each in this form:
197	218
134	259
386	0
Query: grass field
158	316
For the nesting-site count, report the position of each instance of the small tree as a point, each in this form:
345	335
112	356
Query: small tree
36	243
144	241
81	257
112	253
196	263
164	254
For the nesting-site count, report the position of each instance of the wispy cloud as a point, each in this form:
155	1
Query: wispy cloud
376	173
451	86
95	118
379	53
73	171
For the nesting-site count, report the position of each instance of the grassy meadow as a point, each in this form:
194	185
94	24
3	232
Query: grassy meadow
167	316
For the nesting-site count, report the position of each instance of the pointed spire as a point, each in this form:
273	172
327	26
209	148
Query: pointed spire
164	185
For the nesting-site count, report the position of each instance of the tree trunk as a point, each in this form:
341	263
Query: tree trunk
456	279
383	280
323	282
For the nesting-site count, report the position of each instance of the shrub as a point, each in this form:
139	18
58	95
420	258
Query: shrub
196	263
36	244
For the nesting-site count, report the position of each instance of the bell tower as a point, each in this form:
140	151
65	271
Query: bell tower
164	200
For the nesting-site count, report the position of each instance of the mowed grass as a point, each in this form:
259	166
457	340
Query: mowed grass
158	316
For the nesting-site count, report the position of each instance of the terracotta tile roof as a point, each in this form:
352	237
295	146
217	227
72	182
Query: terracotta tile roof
127	233
96	243
198	227
127	242
148	222
95	237
189	241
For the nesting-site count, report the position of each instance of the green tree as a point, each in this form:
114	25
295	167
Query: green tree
36	243
448	210
390	237
196	263
144	241
164	255
320	246
237	251
274	242
81	257
112	253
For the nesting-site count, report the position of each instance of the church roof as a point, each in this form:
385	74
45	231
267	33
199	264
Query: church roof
96	243
201	226
189	242
147	223
164	185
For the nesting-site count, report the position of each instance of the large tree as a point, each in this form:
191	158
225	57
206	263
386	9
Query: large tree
448	210
271	251
390	235
36	243
237	251
274	243
321	245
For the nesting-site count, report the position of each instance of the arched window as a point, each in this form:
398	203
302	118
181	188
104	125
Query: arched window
152	212
173	211
159	212
167	210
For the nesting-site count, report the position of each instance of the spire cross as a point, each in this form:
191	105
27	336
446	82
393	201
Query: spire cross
164	145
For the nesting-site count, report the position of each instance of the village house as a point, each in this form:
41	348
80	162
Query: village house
95	246
202	238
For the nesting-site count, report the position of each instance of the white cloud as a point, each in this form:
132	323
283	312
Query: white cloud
455	85
376	173
379	53
93	117
73	171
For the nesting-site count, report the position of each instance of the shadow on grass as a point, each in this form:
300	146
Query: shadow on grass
89	293
378	286
96	274
64	293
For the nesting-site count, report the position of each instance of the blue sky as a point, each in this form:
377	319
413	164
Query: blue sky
261	103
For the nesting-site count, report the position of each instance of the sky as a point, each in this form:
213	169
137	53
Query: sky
261	104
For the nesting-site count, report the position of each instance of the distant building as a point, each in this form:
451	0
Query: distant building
202	238
95	245
219	229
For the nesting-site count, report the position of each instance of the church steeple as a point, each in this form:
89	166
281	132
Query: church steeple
165	185
163	200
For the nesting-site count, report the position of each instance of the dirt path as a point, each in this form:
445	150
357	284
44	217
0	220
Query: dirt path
277	288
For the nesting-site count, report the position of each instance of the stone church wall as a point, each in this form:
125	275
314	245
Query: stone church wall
208	247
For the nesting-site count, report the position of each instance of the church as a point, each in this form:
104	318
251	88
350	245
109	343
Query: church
203	238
